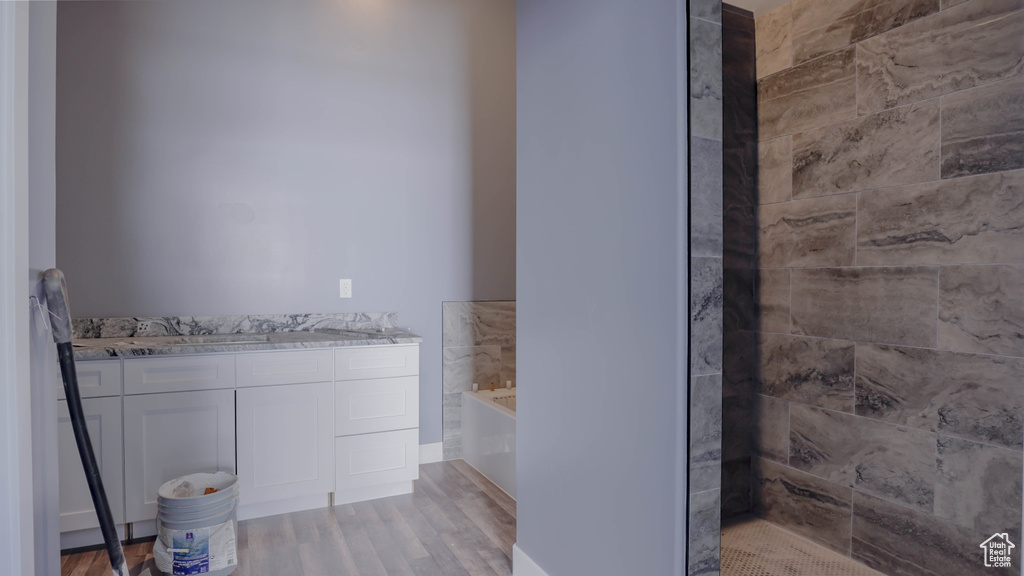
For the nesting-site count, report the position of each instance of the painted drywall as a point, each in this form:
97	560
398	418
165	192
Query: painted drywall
599	288
16	492
42	77
240	156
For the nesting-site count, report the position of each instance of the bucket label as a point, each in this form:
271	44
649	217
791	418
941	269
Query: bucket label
203	550
191	551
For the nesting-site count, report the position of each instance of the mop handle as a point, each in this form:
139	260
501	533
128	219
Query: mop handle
57	302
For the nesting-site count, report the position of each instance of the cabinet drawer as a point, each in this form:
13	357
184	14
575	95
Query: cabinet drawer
96	378
178	374
370	460
364	406
284	367
360	363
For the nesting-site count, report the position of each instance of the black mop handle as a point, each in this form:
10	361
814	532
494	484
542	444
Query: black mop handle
60	321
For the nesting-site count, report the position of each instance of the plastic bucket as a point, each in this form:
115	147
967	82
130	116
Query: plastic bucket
198	533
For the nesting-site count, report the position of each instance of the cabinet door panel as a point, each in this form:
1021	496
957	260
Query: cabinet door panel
362	362
179	373
96	378
285	441
171	435
103	420
370	460
284	367
365	406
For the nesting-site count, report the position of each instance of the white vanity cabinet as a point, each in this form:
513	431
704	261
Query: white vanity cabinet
170	435
285	442
103	420
295	425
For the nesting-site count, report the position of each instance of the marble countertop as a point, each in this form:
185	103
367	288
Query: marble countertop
98	338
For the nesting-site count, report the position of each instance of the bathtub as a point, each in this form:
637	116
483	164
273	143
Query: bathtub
489	435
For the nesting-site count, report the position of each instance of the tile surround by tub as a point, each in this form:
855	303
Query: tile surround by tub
479	347
888	391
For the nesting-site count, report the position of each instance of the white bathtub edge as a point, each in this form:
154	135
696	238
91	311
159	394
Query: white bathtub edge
523	565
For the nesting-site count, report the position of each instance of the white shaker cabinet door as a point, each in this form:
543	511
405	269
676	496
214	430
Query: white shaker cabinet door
171	435
285	441
103	420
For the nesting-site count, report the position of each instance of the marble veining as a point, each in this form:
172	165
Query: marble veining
979	486
219	334
813	371
821	27
888	305
704	542
902	541
815	93
705	79
812	232
705	432
967	220
972	396
774	40
771	428
810	506
706	315
251	324
981	309
706	197
983	129
893	462
775	170
773	292
964	46
899	146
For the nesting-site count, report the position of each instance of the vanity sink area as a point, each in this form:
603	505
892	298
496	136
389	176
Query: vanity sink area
308	410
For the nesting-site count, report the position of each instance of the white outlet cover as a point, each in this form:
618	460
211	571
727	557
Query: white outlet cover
345	288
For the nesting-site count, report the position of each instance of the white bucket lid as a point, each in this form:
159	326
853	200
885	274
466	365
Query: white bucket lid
226	485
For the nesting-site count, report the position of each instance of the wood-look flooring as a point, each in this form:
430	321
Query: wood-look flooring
455	523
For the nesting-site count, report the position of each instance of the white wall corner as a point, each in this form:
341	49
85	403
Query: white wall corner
523	565
430	453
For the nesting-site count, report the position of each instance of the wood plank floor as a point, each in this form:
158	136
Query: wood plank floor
455	523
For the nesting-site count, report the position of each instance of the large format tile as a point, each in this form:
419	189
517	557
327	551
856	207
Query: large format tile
705	540
705	315
979	486
456	324
775	170
705	79
965	46
887	305
812	232
465	365
983	129
705	432
706	197
972	396
981	309
822	27
889	461
494	323
812	507
771	428
710	10
894	147
967	220
773	290
813	94
813	371
774	40
904	542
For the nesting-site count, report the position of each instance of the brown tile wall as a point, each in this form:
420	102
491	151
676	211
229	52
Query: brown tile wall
888	396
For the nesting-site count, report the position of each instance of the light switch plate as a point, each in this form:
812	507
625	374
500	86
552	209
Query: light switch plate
345	289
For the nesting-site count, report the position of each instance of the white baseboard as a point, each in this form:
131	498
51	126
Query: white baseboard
430	453
523	565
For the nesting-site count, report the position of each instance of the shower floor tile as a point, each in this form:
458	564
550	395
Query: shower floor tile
755	547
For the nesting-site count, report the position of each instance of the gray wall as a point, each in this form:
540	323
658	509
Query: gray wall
240	156
601	287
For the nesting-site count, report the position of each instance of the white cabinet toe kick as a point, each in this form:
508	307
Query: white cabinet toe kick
302	429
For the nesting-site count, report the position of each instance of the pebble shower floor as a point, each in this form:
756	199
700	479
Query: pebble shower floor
754	547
